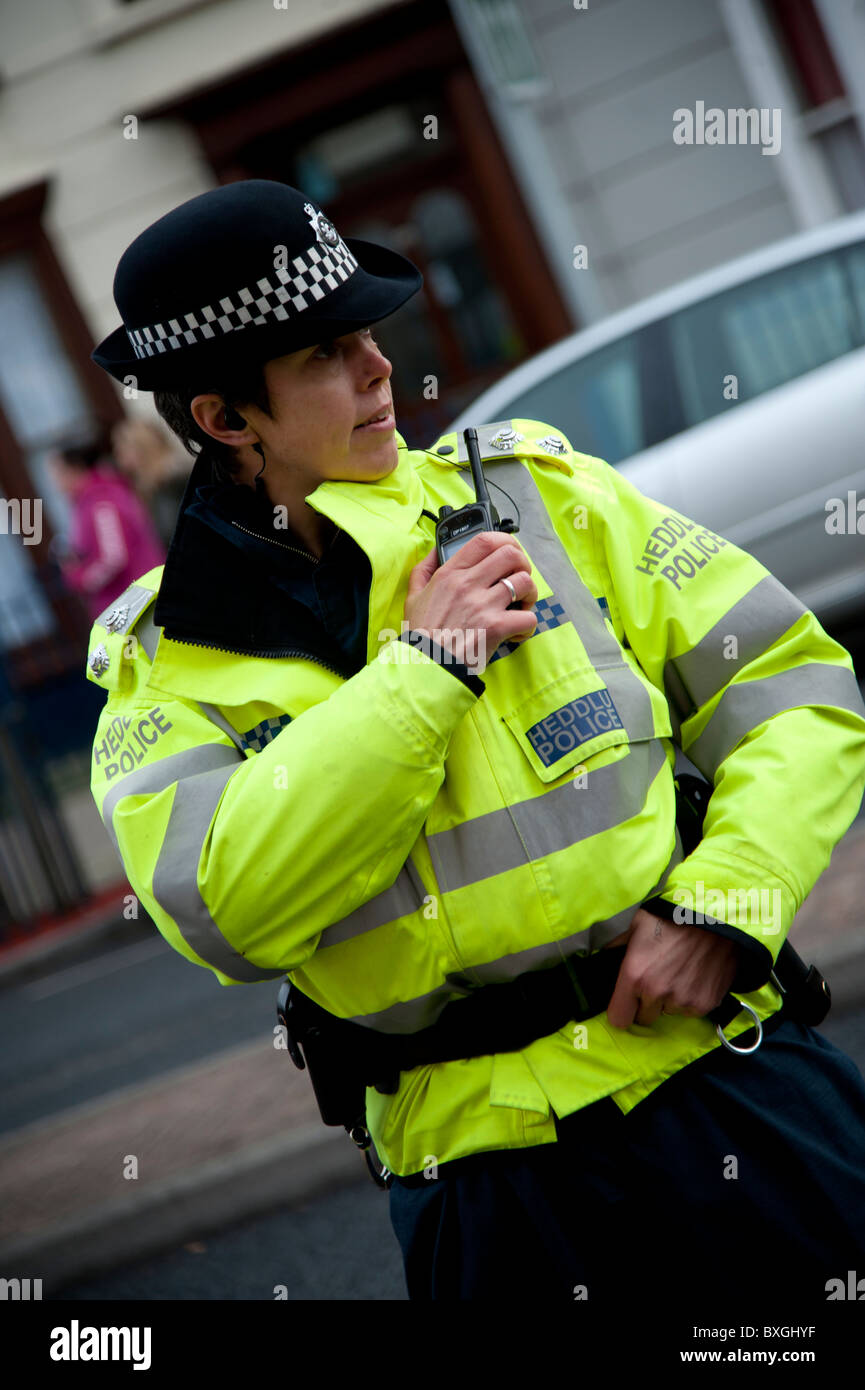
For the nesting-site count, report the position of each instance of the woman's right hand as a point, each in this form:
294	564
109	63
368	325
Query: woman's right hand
465	601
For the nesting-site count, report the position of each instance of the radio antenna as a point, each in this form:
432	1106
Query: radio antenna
471	438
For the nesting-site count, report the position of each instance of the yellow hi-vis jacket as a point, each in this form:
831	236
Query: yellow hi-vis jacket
394	841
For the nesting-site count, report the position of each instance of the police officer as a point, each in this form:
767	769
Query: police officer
443	798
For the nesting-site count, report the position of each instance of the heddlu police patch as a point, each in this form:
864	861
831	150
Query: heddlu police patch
575	723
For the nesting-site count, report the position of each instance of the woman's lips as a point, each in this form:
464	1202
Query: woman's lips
386	424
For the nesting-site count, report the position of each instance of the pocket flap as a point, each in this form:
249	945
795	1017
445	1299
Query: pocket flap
560	726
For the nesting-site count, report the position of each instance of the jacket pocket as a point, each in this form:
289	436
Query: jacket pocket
573	718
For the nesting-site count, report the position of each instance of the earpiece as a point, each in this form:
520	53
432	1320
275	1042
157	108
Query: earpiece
260	489
233	421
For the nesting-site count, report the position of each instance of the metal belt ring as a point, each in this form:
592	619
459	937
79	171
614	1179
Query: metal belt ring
743	1051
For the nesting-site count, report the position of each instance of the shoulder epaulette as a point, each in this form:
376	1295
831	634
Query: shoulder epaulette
109	637
507	439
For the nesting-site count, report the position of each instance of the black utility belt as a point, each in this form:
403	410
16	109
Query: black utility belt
343	1057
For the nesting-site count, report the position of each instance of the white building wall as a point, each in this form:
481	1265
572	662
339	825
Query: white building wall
651	212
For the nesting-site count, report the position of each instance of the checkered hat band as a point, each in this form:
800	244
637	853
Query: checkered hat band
280	294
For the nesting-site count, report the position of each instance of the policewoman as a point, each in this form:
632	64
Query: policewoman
549	988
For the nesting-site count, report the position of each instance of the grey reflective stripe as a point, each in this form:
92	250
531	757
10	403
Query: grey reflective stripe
175	879
679	701
404	896
757	621
219	719
540	540
148	635
408	893
505	839
157	776
551	952
201	774
135	599
411	1015
746	705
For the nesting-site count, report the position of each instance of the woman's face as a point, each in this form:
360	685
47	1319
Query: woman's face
318	398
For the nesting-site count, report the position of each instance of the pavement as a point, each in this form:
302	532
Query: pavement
167	1161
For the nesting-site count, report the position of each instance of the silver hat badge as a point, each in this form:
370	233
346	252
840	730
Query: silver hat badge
322	226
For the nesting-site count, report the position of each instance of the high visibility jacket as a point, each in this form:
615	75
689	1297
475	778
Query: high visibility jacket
393	840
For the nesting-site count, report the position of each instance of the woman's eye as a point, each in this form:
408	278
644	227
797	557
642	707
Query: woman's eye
327	348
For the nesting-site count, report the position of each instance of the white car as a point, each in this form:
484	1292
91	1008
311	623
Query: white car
738	398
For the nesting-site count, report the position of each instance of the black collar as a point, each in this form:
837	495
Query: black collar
217	589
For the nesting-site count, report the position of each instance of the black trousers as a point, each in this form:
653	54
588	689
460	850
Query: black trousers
739	1178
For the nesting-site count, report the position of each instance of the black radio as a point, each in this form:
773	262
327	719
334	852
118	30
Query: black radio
456	526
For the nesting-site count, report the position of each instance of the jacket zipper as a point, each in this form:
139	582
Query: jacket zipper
285	651
283	545
235	651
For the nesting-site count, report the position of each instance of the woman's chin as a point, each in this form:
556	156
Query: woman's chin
377	463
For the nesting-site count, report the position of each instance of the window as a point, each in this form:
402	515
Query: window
855	261
596	402
825	111
457	273
44	406
766	332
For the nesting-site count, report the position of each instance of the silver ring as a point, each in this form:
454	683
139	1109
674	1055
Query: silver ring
743	1051
512	589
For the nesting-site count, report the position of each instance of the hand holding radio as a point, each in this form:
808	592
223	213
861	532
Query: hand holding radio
476	579
466	592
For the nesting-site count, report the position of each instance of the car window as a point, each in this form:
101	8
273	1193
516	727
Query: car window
855	258
763	333
595	402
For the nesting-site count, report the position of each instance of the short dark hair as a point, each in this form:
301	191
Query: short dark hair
243	387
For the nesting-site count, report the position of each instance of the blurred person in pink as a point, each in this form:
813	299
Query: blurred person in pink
112	540
157	467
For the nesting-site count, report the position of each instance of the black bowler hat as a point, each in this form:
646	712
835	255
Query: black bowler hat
241	274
